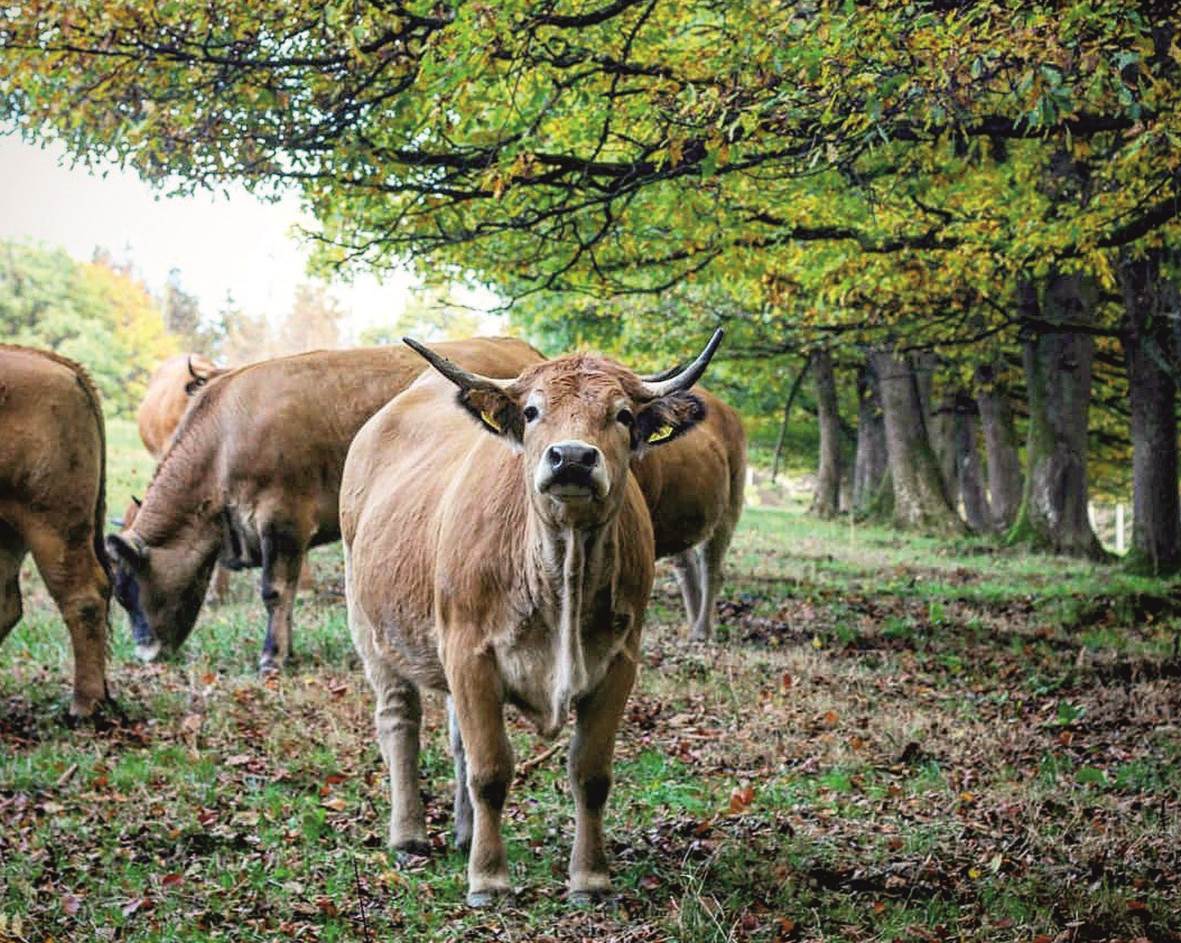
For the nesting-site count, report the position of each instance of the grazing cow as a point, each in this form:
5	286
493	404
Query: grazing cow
168	396
506	560
694	491
52	484
252	477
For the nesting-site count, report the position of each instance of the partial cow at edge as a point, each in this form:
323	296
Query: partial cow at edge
52	484
498	548
251	479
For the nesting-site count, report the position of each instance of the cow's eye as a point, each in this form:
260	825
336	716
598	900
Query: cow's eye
530	413
625	416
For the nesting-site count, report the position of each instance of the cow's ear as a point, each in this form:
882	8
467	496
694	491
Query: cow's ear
131	550
665	419
496	411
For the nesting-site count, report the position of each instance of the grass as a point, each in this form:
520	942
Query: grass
893	739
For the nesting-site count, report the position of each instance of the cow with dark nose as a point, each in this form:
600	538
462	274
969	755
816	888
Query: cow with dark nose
498	549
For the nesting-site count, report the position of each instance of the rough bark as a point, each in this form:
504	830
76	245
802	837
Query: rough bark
1053	514
869	464
1005	484
919	498
1150	305
969	473
826	502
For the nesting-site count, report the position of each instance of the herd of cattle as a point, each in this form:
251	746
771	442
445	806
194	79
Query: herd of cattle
500	512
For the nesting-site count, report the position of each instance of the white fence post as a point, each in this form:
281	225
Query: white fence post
1119	528
1091	516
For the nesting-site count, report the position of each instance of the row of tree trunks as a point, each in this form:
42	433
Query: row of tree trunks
1151	310
1058	358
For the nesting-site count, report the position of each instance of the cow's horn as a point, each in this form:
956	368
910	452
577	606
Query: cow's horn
683	379
452	371
193	373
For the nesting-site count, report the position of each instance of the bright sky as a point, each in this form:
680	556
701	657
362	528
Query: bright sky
237	244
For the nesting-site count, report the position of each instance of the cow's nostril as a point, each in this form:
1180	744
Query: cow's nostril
554	456
590	457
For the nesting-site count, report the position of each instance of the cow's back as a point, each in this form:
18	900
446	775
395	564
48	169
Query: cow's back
52	448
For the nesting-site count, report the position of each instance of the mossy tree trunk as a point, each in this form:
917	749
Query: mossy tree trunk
920	501
826	501
1053	513
1150	305
1005	484
869	464
969	472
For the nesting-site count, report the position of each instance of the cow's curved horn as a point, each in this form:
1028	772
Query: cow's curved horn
453	372
193	373
663	374
683	379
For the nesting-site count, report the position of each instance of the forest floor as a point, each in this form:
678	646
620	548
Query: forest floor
892	739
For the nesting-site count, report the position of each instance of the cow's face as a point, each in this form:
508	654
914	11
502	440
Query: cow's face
162	597
579	421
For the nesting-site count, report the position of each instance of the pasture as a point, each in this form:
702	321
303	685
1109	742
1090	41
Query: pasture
894	738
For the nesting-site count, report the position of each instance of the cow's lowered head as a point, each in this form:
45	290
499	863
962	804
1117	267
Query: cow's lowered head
579	421
162	609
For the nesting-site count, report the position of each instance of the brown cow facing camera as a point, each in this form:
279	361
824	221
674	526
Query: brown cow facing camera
52	483
498	548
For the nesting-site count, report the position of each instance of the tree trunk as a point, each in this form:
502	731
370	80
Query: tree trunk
1053	513
827	500
869	465
969	475
791	398
1150	302
1005	485
919	498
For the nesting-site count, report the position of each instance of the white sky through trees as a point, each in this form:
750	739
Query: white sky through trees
237	244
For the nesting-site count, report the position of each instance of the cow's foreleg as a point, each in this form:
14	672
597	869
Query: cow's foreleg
589	766
282	559
476	694
80	588
687	567
463	799
399	721
713	554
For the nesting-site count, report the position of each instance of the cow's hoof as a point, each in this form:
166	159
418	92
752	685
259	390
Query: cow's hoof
101	715
479	900
589	898
147	651
268	666
412	848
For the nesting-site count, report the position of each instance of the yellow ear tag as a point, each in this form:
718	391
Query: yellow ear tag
661	434
489	421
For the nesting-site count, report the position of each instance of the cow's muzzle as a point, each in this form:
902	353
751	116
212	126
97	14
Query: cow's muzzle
572	471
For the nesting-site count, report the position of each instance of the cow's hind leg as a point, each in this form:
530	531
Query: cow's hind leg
589	766
713	555
475	691
687	567
282	559
12	552
463	799
80	588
